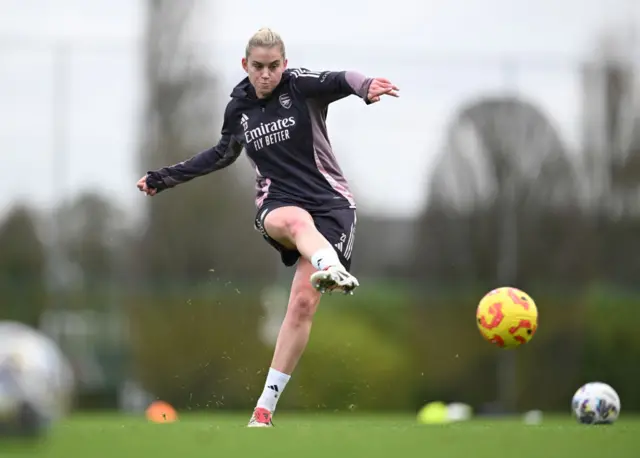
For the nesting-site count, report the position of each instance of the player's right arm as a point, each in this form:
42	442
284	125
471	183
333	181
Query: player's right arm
218	157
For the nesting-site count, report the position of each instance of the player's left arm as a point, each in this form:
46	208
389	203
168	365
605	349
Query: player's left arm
338	84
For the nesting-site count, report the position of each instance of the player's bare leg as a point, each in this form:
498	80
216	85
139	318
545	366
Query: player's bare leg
291	343
296	326
294	228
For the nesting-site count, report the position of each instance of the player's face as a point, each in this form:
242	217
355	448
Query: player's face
264	67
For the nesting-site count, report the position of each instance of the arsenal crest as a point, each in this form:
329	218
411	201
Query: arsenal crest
285	100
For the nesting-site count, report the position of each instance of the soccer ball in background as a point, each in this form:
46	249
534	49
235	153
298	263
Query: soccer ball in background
36	381
507	317
596	403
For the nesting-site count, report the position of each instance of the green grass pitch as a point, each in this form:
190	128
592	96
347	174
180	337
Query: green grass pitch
334	435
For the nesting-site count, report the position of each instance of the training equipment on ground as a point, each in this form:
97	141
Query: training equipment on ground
596	403
161	412
36	381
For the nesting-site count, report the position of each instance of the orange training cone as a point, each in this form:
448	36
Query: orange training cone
161	412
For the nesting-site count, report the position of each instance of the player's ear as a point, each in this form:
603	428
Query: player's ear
285	63
245	64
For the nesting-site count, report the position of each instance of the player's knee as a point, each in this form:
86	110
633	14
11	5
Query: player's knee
303	306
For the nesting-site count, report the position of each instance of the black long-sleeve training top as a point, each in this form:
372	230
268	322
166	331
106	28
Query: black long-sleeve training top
285	138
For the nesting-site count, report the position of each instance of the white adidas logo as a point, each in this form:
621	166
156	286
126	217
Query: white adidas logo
345	244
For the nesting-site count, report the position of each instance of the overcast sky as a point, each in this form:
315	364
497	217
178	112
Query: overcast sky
439	52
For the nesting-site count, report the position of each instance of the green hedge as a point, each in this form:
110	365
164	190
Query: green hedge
612	350
351	364
383	352
196	353
206	353
379	349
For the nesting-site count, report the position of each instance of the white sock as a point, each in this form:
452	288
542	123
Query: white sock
324	258
273	388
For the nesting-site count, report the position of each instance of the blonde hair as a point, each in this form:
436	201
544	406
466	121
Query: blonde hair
265	38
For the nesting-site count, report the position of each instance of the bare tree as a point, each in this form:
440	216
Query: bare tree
503	189
205	224
611	136
611	131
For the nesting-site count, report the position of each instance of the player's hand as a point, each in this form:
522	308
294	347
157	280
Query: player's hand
142	186
380	87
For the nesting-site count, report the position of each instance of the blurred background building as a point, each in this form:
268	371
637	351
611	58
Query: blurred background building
512	157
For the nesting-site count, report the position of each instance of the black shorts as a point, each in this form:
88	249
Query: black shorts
337	225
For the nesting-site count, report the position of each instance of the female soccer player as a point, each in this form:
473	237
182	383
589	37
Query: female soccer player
305	208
